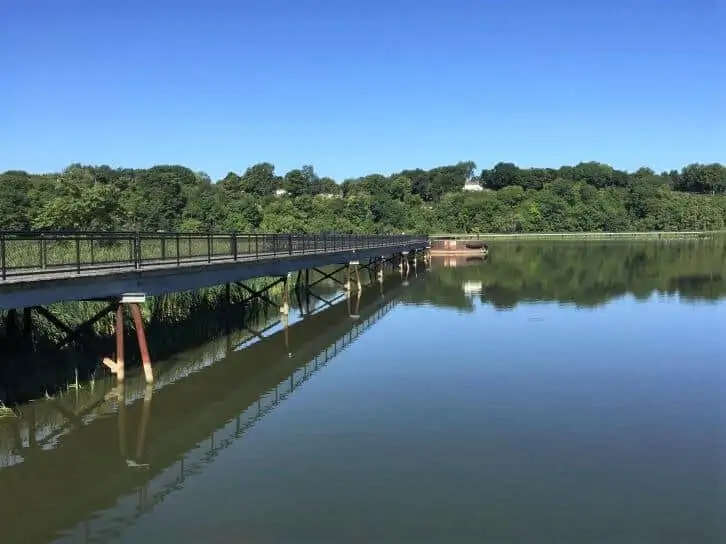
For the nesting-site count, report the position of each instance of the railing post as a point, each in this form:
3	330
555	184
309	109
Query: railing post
178	250
209	248
163	247
137	250
234	245
78	253
2	256
93	255
289	244
43	252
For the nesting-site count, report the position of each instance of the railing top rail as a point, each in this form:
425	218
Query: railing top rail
71	233
43	253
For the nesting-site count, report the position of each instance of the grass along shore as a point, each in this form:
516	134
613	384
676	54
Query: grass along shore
582	236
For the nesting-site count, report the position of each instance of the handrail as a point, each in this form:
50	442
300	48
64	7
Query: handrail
42	253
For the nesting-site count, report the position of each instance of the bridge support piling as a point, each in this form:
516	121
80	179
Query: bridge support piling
118	366
261	293
328	276
143	347
353	270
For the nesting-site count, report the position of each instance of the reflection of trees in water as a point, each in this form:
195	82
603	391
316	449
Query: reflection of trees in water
584	273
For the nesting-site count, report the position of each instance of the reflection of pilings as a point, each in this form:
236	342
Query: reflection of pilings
354	314
120	364
154	492
92	404
108	501
96	403
120	393
265	404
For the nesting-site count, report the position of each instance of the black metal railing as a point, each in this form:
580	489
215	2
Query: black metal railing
41	253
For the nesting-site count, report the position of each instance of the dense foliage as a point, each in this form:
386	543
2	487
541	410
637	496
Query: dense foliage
586	197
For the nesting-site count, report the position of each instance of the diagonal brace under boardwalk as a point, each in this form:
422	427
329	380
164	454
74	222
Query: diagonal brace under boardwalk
261	293
77	334
328	276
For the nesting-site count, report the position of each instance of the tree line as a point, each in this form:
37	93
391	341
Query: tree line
589	196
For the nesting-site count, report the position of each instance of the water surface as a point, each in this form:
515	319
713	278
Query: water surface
555	392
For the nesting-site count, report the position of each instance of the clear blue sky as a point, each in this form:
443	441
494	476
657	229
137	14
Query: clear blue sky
359	87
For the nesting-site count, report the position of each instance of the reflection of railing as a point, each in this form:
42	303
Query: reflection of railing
111	521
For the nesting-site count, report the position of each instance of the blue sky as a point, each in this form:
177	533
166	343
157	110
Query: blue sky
360	87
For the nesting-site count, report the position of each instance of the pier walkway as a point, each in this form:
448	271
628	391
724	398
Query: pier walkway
37	269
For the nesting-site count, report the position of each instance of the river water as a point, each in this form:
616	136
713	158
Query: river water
553	393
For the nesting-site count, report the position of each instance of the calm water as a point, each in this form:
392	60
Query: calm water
554	393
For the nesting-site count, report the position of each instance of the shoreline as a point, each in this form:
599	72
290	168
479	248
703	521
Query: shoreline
582	236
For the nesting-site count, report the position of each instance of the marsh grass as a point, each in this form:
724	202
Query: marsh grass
52	250
58	252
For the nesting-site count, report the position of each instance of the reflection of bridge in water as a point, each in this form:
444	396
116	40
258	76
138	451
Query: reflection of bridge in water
90	472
